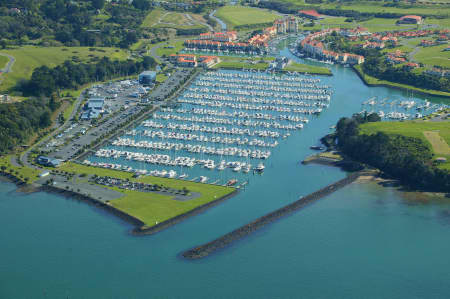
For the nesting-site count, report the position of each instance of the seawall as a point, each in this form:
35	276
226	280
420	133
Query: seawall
246	230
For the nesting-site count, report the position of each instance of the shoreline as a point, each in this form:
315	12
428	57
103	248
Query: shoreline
412	88
140	227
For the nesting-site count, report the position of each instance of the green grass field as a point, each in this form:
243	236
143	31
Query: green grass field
152	17
241	65
305	68
3	61
434	56
167	48
242	15
24	173
30	57
415	129
151	207
377	6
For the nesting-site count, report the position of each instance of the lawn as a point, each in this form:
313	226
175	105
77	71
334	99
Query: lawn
305	68
241	65
3	61
434	56
167	48
242	15
152	17
23	173
30	57
151	207
417	129
374	7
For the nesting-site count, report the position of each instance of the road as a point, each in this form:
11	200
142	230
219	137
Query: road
9	65
188	16
222	23
24	156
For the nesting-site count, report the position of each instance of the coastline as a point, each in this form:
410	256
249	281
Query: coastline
140	227
404	88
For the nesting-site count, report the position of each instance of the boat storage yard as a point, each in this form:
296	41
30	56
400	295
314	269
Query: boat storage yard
225	128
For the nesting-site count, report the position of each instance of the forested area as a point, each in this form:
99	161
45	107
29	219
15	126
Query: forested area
18	121
407	159
72	23
69	75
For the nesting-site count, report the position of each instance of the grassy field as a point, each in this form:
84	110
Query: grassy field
30	57
434	55
374	81
3	61
241	65
242	15
151	207
305	68
152	17
172	47
377	7
23	173
438	140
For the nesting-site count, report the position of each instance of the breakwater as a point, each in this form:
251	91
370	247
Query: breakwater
244	231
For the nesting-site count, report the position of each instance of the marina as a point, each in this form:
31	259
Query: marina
312	247
225	128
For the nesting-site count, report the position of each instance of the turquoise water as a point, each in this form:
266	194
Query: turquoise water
363	241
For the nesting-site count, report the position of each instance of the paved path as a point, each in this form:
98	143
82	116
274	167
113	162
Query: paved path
200	22
8	67
222	23
24	156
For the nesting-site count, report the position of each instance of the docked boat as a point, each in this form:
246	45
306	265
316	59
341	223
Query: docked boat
260	167
232	182
316	147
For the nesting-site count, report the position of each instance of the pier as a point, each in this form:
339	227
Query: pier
246	230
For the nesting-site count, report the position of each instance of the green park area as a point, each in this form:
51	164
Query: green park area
305	68
160	18
153	207
434	55
379	7
30	57
3	61
23	173
434	133
242	15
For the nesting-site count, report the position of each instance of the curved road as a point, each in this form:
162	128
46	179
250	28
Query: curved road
8	67
222	23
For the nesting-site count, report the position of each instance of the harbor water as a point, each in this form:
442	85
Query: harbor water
363	241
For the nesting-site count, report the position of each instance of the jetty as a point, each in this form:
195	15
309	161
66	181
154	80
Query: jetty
246	230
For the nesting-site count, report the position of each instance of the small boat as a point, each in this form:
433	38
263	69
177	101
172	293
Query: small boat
183	176
316	147
231	182
260	167
203	179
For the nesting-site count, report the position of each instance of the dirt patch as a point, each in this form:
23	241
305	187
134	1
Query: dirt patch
438	143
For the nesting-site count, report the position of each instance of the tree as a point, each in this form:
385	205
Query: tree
45	119
98	4
142	4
